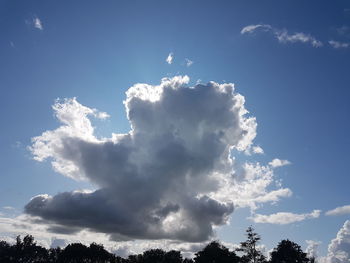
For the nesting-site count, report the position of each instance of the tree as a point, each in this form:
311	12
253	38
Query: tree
74	253
28	251
250	249
5	252
173	256
214	252
98	254
54	254
288	252
153	256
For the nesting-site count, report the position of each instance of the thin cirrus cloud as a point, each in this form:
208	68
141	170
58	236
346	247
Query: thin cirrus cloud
337	44
282	35
342	210
283	218
171	177
188	62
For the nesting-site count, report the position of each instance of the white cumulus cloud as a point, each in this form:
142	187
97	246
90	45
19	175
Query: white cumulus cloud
258	150
339	248
278	163
283	218
342	210
172	176
312	247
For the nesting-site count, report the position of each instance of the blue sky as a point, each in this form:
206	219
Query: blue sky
291	65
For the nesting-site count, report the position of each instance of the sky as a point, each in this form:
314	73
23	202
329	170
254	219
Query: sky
171	123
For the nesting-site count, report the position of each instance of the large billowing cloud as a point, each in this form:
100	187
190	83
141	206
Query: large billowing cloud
172	176
339	248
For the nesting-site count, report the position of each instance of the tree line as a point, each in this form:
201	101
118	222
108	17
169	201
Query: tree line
27	251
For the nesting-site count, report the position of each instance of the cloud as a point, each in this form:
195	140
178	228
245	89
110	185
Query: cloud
24	224
188	62
283	218
343	30
258	150
170	58
285	37
342	210
58	242
282	35
252	28
37	23
171	177
278	163
311	249
339	248
337	44
251	186
8	208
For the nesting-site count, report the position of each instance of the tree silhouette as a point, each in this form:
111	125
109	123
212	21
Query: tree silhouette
173	256
288	252
5	252
74	253
98	254
153	256
251	254
27	251
54	254
214	252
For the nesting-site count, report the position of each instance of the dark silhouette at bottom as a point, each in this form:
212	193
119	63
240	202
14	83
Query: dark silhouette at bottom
27	251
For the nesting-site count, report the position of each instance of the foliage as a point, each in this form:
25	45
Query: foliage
288	252
27	251
214	252
249	248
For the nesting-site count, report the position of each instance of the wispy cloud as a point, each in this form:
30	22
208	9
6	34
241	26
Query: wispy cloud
188	62
282	35
37	23
343	30
8	207
337	44
170	58
252	28
342	210
283	218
